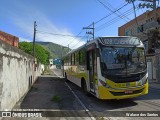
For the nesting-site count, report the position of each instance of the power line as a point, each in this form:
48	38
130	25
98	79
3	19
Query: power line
76	35
109	14
90	28
63	35
114	12
117	11
74	39
41	32
114	20
73	46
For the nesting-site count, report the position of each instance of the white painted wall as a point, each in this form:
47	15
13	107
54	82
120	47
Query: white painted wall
151	68
16	72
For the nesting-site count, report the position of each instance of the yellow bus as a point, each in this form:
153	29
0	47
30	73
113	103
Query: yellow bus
109	67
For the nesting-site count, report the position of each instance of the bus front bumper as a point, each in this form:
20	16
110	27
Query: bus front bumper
106	93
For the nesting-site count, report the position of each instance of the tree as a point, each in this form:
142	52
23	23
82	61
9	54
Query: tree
41	53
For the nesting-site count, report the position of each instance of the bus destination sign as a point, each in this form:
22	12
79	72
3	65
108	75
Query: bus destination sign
121	41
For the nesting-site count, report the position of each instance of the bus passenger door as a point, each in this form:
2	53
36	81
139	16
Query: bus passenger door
91	59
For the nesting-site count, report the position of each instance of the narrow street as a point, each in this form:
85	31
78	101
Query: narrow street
52	93
149	102
61	60
49	93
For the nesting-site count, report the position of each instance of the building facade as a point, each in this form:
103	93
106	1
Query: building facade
142	28
8	38
147	29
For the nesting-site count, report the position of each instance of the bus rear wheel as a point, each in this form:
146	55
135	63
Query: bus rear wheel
65	76
84	87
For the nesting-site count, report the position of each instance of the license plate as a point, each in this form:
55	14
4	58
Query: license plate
128	91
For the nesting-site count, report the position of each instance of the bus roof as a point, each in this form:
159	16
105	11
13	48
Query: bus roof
95	40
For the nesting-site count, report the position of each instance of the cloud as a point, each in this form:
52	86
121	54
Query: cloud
25	23
58	39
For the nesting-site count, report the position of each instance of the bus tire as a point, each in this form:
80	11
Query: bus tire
84	86
65	76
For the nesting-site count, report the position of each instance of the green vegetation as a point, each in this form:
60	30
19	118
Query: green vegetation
47	71
41	53
44	50
56	51
100	118
56	98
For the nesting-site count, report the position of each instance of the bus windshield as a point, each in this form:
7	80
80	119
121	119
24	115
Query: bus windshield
122	60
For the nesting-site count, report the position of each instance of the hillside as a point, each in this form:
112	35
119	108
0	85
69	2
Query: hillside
56	51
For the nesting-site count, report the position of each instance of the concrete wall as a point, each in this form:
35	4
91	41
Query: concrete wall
151	68
17	74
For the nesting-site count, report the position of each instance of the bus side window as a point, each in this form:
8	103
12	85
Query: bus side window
79	53
73	59
70	59
77	58
82	57
88	60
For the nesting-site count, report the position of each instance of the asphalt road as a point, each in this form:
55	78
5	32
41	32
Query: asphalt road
149	102
52	93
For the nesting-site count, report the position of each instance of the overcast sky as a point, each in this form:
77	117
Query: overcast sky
63	17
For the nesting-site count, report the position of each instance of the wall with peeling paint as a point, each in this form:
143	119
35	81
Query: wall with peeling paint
17	74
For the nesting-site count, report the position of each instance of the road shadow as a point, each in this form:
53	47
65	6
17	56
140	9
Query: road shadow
50	93
153	94
101	105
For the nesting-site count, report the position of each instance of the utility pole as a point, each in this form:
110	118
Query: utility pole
34	36
92	28
150	4
155	10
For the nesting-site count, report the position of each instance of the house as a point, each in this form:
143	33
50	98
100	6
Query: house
9	39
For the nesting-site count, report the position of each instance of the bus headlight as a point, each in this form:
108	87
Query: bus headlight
104	83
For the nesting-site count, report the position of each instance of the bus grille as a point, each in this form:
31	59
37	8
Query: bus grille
123	93
121	79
